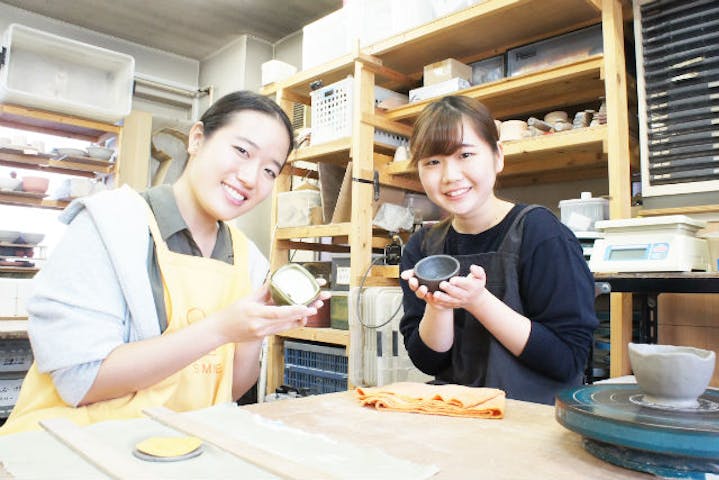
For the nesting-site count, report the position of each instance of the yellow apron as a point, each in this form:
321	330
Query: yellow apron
193	287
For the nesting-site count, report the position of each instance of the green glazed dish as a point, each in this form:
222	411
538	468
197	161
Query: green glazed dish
293	284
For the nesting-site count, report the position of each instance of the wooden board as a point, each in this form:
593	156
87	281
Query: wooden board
276	464
92	449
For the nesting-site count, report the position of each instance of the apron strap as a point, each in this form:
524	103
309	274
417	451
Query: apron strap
513	239
433	241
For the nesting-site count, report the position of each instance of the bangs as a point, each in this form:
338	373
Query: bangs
437	131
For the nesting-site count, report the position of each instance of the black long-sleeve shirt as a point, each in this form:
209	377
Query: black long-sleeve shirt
556	288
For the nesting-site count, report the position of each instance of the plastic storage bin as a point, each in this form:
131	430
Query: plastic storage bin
331	113
50	72
565	48
487	70
315	368
580	214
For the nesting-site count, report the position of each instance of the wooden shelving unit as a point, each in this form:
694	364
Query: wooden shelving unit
481	31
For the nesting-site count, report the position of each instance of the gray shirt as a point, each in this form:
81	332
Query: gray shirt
179	240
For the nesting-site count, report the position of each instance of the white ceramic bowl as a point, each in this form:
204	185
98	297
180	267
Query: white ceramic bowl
100	153
29	238
671	376
9	184
9	236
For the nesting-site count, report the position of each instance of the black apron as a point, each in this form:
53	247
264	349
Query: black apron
478	359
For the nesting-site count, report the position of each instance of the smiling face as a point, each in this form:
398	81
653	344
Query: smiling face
462	182
234	168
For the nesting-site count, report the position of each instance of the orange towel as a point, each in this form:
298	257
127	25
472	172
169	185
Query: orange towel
451	400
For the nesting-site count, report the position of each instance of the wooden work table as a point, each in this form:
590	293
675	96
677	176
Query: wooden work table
527	444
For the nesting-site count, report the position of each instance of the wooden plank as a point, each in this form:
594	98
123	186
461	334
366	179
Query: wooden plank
688	210
618	151
309	231
24	118
324	335
378	121
276	464
12	328
336	152
93	449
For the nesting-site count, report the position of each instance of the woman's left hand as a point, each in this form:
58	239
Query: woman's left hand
460	292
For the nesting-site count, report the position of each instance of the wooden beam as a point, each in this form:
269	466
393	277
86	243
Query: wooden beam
379	121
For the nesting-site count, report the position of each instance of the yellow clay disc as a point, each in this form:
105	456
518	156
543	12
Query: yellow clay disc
168	446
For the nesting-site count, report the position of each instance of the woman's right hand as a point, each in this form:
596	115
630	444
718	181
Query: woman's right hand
255	317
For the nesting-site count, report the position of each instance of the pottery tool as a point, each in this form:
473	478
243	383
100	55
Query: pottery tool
620	427
102	456
272	462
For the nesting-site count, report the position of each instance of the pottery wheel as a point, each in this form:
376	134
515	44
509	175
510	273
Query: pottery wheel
622	428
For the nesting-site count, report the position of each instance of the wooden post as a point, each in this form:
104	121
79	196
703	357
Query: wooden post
133	162
618	153
279	255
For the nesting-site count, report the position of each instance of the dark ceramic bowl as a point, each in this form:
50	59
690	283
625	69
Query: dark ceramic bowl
432	270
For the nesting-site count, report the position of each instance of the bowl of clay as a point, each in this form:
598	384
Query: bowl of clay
671	376
433	270
293	284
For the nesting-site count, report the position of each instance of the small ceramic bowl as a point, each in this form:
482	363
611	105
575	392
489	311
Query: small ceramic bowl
101	153
671	376
30	238
512	130
293	284
9	183
35	184
432	270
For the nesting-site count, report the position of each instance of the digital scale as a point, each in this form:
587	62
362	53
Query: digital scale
654	244
620	427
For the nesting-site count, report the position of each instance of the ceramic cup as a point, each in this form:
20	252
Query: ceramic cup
671	376
512	130
432	270
556	116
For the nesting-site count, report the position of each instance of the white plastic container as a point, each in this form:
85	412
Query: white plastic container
276	71
580	214
49	72
294	209
332	106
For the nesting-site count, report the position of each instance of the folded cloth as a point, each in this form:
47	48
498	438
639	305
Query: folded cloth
451	400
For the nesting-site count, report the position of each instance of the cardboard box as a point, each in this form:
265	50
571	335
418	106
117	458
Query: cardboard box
447	69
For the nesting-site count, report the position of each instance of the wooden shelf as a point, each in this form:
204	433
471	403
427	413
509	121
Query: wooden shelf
8	198
325	335
552	88
13	327
14	116
483	30
688	210
563	156
49	163
312	231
